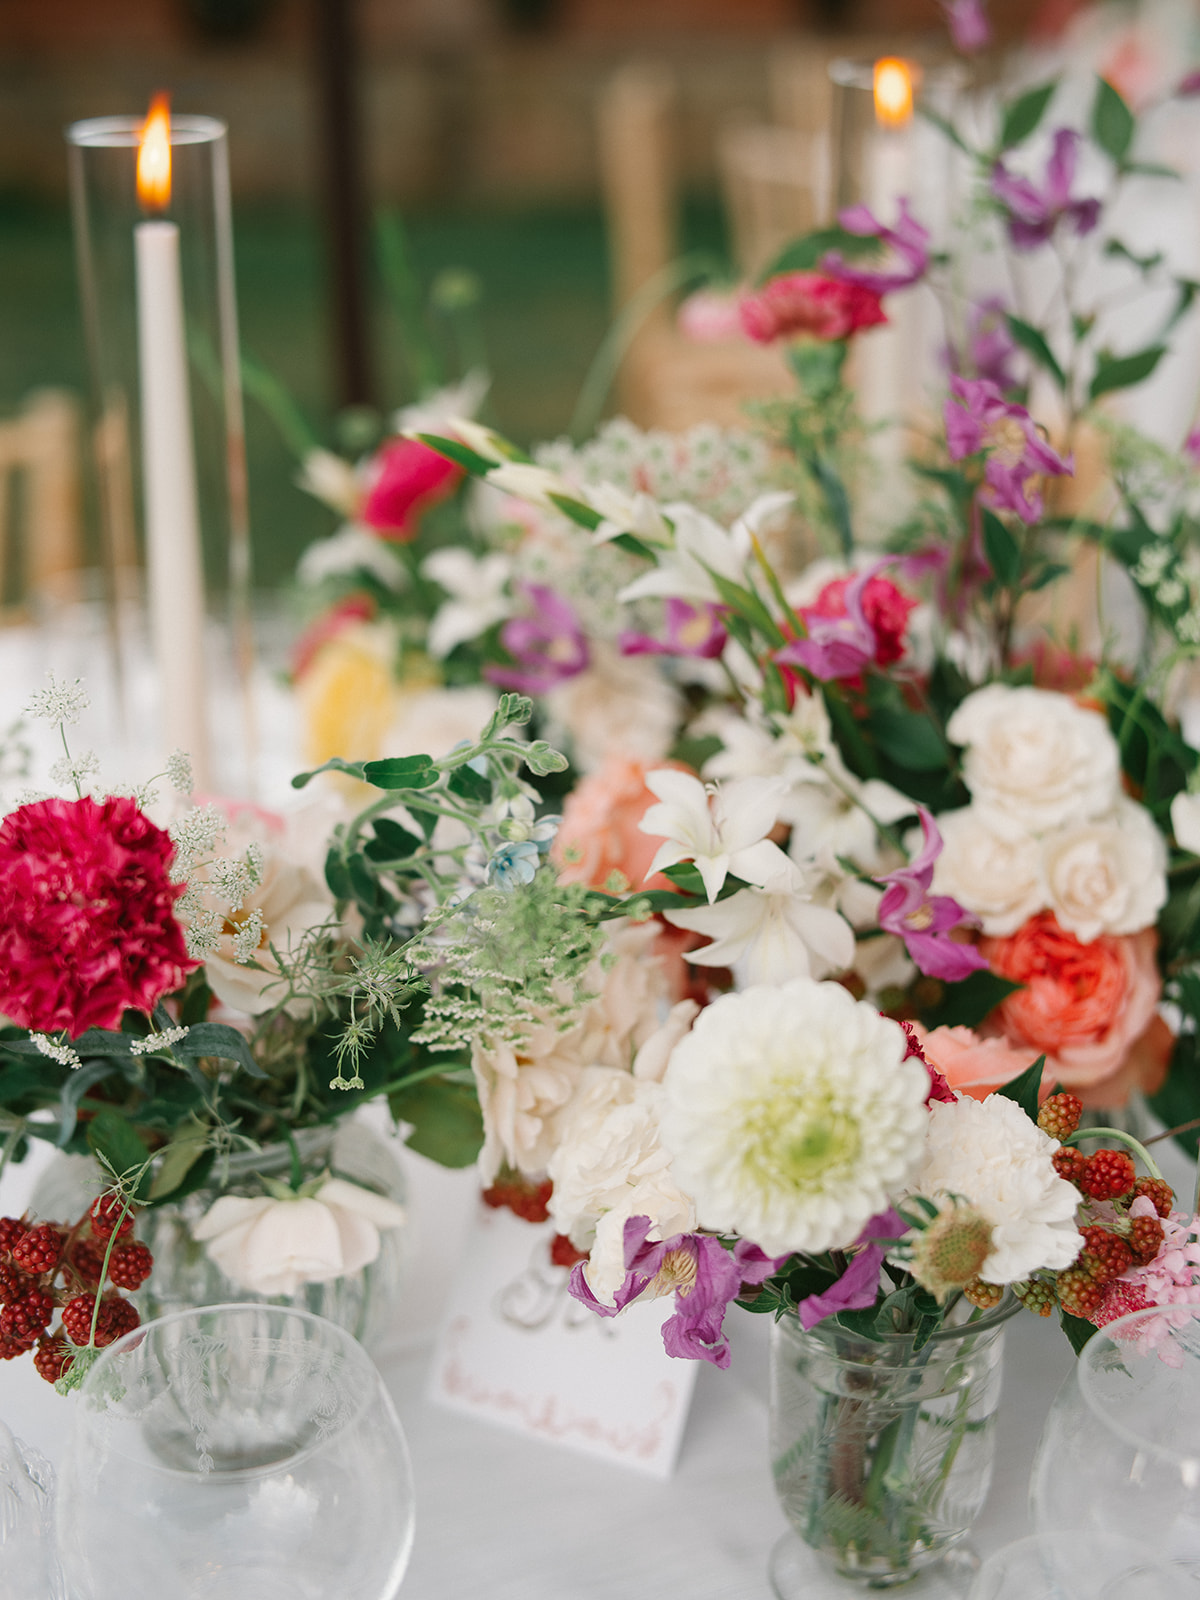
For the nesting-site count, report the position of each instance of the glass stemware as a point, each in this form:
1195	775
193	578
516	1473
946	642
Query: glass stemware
235	1451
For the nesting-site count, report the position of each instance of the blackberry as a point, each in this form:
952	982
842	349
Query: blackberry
1036	1295
1108	1174
1059	1115
130	1265
1105	1255
987	1296
13	1282
52	1357
40	1250
27	1315
1157	1190
1078	1292
1145	1239
1070	1164
11	1229
104	1213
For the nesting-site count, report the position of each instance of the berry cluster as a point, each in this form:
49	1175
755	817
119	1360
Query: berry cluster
522	1196
45	1268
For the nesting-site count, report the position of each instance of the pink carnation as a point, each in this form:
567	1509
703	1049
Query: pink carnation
409	477
809	302
87	924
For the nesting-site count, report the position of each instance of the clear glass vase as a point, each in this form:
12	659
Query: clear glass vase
361	1302
881	1453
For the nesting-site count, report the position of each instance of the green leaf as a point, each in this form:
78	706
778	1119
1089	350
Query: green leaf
748	606
1153	169
966	1004
334	764
447	1122
469	460
1178	1100
401	772
337	876
1003	551
112	1138
1122	372
468	784
1024	1088
363	881
579	513
802	254
189	1149
217	1039
946	127
1112	122
1022	116
391	841
909	738
1077	1329
1028	337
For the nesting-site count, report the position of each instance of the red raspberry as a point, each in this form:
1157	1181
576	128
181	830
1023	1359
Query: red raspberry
523	1198
1036	1295
1105	1255
987	1296
11	1229
13	1282
77	1318
1108	1175
87	1259
1159	1191
40	1250
11	1346
105	1211
52	1357
1070	1164
1078	1291
27	1315
1145	1239
130	1265
1059	1115
117	1316
563	1253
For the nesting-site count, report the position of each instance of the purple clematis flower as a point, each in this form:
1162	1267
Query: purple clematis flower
968	23
835	647
1191	447
907	242
1016	451
924	920
1033	213
692	630
704	1276
549	647
990	347
859	1284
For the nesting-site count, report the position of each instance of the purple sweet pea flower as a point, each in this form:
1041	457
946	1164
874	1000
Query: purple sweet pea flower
907	242
923	920
1016	451
691	631
549	647
1033	213
835	647
859	1284
968	23
704	1275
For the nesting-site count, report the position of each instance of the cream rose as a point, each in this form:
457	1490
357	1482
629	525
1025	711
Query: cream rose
992	866
1108	875
1036	756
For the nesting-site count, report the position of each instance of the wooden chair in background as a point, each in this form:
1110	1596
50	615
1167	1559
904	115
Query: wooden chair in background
775	183
41	546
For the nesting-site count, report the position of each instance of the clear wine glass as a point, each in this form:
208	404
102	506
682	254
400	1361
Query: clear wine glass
232	1452
1119	1460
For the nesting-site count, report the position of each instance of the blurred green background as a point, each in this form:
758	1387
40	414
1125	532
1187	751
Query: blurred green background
545	310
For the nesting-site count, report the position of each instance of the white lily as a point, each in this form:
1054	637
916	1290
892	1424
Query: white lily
531	483
764	516
351	549
722	830
484	441
636	513
441	411
332	480
702	547
770	935
478	596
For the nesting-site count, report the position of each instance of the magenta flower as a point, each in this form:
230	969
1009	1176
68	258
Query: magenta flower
968	23
549	647
838	646
859	1284
407	479
1188	85
907	244
1033	213
704	1276
691	631
923	920
1191	447
990	347
1008	435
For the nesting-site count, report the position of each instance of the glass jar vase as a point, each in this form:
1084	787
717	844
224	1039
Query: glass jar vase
362	1302
881	1452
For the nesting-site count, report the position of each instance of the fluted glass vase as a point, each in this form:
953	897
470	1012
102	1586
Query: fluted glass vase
881	1453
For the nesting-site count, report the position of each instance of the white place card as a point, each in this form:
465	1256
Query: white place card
517	1350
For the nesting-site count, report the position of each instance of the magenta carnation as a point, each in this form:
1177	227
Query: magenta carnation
87	925
408	479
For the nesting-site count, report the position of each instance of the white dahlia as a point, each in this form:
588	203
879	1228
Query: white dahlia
793	1116
989	1153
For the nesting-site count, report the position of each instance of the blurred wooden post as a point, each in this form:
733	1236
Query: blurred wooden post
42	445
775	183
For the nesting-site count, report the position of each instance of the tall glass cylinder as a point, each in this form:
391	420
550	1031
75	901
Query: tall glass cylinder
155	257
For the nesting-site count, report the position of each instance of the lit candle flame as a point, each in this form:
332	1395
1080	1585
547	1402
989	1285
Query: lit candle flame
893	92
154	156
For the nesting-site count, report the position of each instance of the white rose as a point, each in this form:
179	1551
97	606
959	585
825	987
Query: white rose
609	1166
991	1154
1036	755
1107	876
992	866
1185	822
273	1246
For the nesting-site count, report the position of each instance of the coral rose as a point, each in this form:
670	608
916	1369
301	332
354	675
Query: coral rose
808	302
599	835
1085	1005
972	1065
87	923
